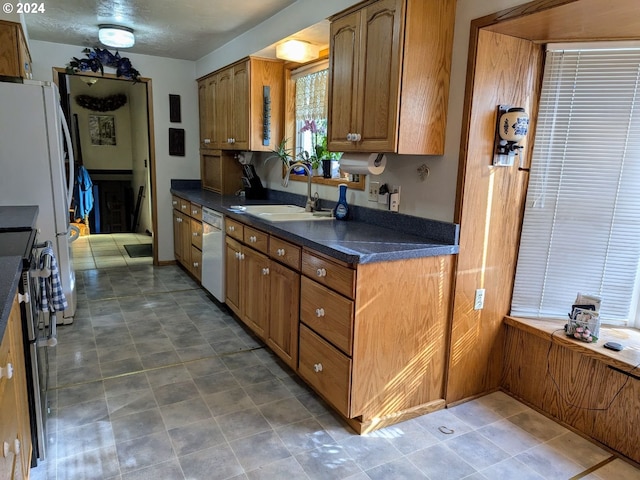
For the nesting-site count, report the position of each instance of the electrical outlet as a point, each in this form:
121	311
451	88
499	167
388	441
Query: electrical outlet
394	199
374	188
478	304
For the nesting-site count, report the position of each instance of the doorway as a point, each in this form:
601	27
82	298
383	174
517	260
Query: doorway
112	136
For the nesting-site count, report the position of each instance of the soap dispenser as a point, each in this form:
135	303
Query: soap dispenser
342	208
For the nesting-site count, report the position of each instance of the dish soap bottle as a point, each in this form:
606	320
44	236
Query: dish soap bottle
342	208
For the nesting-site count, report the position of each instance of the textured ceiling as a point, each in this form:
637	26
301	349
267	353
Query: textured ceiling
186	30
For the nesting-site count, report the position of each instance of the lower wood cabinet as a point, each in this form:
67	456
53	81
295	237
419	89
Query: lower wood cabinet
187	235
263	293
15	433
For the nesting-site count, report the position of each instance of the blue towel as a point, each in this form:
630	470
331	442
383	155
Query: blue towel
53	298
82	194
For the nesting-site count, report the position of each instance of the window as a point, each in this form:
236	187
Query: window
581	228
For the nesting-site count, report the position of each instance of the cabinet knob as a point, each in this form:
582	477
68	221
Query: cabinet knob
195	264
183	207
194	212
265	271
357	137
195	234
253	239
242	256
6	371
23	298
317	367
174	202
321	272
206	140
280	252
320	312
349	139
231	228
238	255
179	220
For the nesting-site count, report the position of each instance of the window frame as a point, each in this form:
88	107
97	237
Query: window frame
290	126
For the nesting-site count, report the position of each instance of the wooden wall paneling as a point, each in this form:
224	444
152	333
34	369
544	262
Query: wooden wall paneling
586	396
400	337
502	70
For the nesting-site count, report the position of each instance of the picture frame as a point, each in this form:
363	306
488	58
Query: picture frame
176	142
102	130
174	109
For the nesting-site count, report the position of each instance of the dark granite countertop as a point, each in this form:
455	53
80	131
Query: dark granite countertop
18	217
360	240
10	273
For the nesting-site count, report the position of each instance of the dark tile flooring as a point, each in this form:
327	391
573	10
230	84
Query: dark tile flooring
154	381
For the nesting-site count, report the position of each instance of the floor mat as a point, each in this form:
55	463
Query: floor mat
139	250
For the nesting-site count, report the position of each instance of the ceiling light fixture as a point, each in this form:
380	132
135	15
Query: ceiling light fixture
116	36
297	51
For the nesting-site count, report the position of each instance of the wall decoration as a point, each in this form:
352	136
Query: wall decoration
174	109
98	58
104	104
102	130
176	142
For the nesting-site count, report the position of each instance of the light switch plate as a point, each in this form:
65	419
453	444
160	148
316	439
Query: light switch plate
374	188
478	303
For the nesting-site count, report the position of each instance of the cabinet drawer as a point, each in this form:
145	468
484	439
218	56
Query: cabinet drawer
196	233
256	239
196	262
185	206
285	252
195	211
233	229
329	314
175	202
326	369
339	278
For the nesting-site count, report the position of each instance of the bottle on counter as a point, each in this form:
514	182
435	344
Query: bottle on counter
342	208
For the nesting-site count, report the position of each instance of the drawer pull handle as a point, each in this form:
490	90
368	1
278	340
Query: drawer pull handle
231	228
183	207
253	239
265	271
6	371
317	367
320	312
195	264
321	272
242	256
194	212
195	234
178	220
237	255
280	252
6	448
174	202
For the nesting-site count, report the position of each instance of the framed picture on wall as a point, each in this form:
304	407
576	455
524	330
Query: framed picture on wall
176	142
174	109
102	129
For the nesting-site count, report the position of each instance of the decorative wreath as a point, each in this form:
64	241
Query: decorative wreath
98	58
104	104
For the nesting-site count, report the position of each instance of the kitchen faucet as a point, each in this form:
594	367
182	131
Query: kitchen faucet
311	201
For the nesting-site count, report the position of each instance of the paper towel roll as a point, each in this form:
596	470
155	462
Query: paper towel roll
363	163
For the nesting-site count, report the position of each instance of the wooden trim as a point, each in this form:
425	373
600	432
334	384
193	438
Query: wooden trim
359	185
361	426
163	263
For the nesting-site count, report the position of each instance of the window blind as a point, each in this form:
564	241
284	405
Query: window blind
581	228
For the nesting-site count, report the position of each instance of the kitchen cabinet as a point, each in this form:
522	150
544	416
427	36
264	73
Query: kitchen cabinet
262	289
233	112
15	433
15	60
187	235
220	172
376	354
389	72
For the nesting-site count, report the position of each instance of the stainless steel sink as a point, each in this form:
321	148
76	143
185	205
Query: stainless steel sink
283	213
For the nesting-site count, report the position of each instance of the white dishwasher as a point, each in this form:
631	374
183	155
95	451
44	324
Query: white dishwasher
213	253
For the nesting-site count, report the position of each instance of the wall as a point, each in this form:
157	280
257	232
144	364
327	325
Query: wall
435	197
104	157
168	76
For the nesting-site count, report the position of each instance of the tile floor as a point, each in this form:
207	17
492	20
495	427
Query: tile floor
154	381
107	251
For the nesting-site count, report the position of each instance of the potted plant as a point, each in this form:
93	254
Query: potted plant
282	152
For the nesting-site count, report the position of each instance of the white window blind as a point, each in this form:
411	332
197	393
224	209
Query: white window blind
581	229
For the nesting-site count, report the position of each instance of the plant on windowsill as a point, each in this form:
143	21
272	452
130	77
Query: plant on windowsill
320	154
283	153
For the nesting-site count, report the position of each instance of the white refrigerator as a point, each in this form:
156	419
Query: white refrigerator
33	170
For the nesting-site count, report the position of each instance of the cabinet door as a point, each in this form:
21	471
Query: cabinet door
379	76
232	275
185	240
212	118
196	262
203	112
211	170
343	59
241	114
254	290
177	235
283	313
224	108
9	54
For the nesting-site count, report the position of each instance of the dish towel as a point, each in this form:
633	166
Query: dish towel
53	299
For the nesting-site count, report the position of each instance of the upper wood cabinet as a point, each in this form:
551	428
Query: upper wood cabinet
390	63
232	106
15	60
